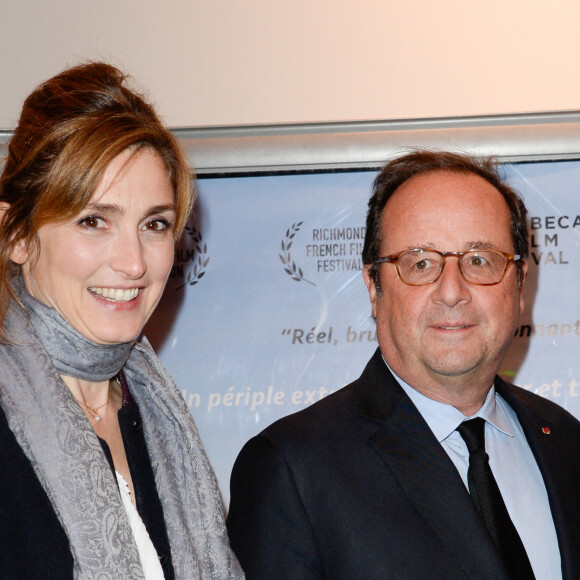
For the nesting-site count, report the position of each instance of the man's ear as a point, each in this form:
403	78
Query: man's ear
371	287
522	278
19	252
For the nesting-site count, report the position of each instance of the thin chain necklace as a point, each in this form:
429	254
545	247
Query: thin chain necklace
95	410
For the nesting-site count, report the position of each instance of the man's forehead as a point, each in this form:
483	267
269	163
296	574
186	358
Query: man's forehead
463	207
440	177
441	185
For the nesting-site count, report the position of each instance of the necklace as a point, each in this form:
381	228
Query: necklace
95	410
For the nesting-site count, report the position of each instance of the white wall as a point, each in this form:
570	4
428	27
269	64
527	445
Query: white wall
222	62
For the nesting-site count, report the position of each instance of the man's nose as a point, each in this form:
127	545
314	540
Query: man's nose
451	288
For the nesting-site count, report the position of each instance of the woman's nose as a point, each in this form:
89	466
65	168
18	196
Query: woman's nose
128	256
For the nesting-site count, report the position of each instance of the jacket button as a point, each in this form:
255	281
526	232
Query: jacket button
136	423
163	559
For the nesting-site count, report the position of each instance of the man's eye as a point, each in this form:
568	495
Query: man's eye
478	261
422	265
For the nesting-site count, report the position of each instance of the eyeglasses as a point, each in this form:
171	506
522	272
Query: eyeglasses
418	267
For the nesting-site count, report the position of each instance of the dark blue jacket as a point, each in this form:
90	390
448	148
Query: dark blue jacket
358	487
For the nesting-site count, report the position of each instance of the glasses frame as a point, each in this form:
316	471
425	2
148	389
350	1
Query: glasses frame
394	259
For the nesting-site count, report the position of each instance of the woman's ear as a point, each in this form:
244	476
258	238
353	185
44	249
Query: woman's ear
19	252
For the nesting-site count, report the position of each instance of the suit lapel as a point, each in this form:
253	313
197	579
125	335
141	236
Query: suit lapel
425	473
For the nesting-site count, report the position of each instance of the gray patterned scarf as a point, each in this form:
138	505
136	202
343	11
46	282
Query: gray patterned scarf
71	466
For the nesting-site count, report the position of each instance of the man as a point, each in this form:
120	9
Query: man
375	481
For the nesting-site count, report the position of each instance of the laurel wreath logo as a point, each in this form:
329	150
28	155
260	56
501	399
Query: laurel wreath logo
290	267
200	262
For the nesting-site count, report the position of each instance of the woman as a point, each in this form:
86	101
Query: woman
103	474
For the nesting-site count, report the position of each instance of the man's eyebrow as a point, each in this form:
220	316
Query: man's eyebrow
425	246
479	245
475	244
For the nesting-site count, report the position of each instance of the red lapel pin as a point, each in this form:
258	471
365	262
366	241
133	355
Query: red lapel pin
546	430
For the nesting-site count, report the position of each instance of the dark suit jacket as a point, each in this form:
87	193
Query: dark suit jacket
357	487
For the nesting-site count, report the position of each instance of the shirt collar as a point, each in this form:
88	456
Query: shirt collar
443	419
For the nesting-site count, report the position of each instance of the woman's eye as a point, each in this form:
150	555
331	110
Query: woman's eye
158	225
91	222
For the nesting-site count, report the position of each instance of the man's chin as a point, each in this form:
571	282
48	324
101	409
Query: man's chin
454	366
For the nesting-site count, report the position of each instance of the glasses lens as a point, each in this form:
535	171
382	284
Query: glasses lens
419	267
483	267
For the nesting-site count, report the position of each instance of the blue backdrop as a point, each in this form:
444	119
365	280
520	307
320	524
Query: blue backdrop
266	311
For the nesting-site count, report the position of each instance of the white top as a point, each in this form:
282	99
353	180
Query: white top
147	552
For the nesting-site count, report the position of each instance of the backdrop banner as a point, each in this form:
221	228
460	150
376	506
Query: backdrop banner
266	310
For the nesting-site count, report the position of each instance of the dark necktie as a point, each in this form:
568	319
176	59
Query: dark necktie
489	502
